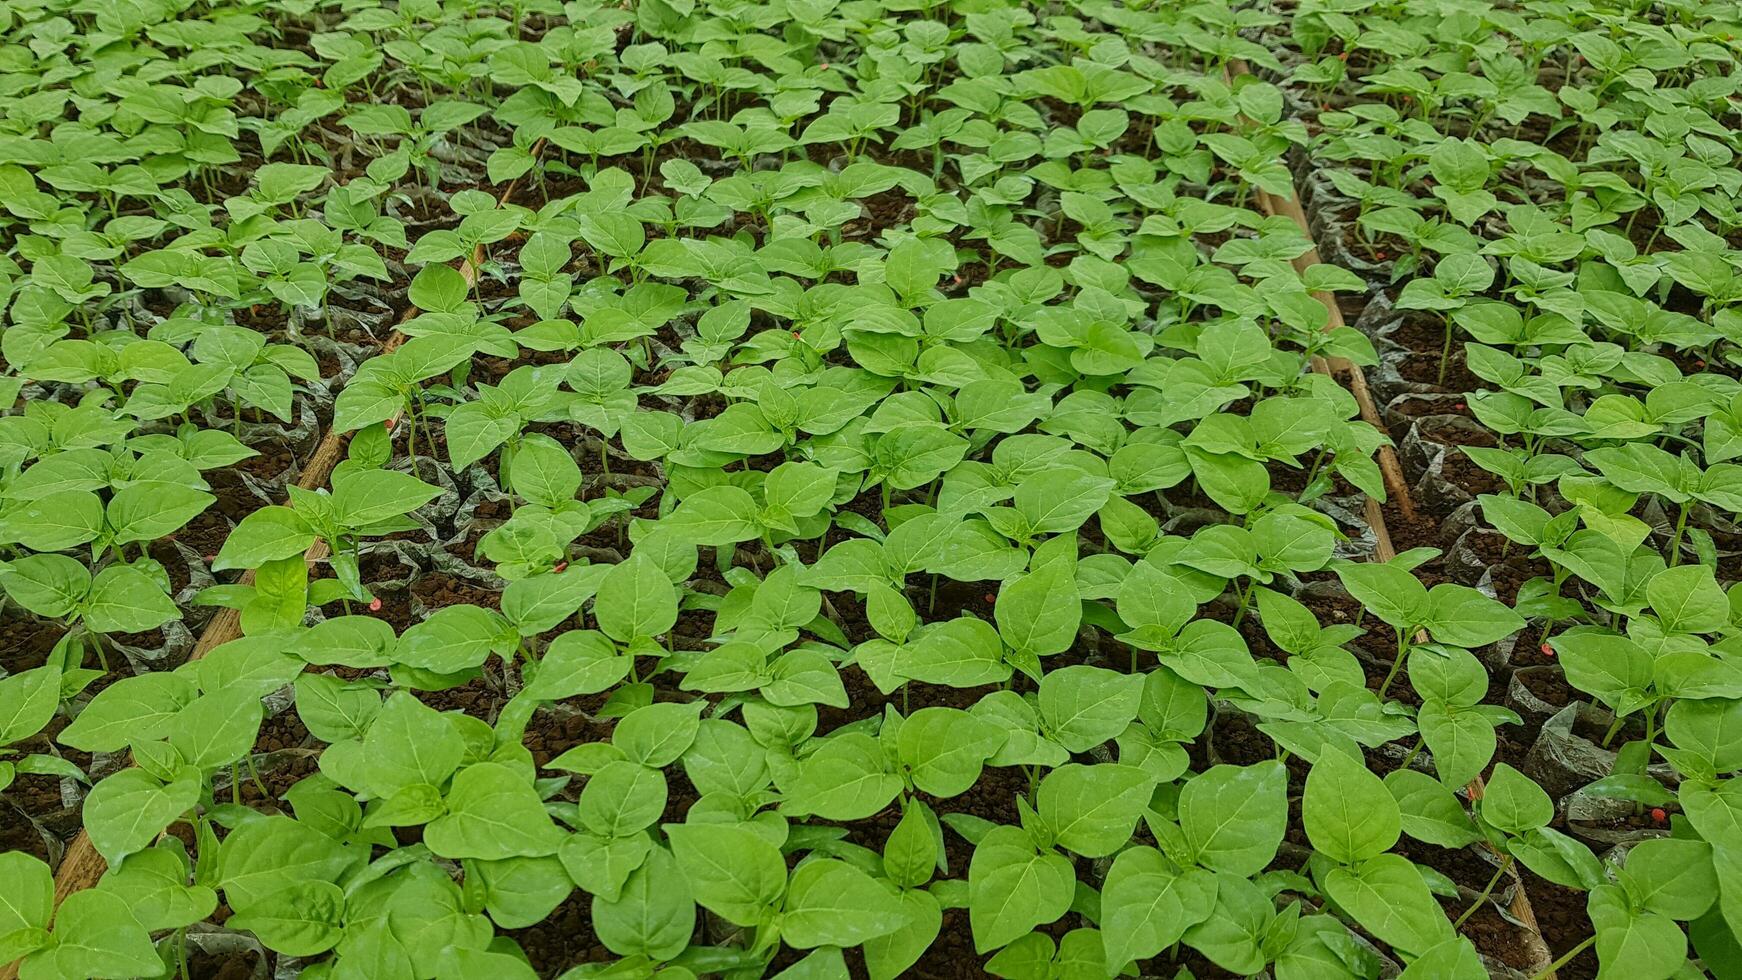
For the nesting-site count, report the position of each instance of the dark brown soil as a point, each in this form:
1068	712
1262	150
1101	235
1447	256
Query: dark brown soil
1560	914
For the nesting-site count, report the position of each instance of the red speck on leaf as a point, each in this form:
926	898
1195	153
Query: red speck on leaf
1658	816
824	66
560	566
795	333
388	423
375	605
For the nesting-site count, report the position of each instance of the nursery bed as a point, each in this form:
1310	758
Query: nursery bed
670	490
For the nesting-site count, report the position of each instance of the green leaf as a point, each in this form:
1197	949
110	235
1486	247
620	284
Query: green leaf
1430	811
1613	669
126	811
653	916
732	870
832	903
1060	500
944	749
410	744
577	662
1462	741
26	905
1512	803
95	935
1039	612
799	489
493	812
1639	945
265	535
138	708
148	511
1082	706
303	919
963	652
622	798
362	497
1013	887
452	639
1388	591
124	599
910	855
1348	813
266	855
1687	599
655	735
1462	616
58	522
462	963
47	585
635	601
154	883
1235	934
1234	817
846	779
889	956
1148	904
1454	959
602	865
1387	895
28	700
1091	809
1671	876
217	728
718	515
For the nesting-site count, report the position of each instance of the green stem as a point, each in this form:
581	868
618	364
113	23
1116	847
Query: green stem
254	774
1565	959
1396	665
1681	526
1313	472
1245	598
1614	727
1445	354
1483	896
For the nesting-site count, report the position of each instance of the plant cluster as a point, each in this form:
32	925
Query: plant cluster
892	515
